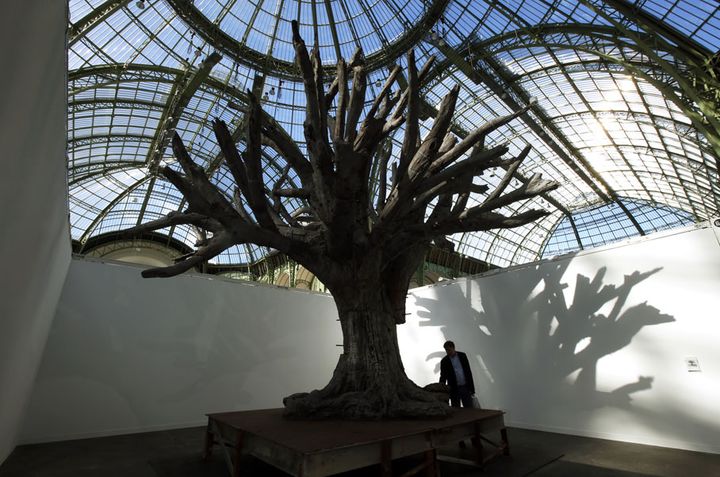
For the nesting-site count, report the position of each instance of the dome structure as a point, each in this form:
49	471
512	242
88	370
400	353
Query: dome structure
627	111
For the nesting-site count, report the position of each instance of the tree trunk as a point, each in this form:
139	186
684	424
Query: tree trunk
369	381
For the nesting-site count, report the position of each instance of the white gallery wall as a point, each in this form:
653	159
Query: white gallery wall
594	344
128	354
35	240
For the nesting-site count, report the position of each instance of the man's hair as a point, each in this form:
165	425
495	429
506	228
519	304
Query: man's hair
448	344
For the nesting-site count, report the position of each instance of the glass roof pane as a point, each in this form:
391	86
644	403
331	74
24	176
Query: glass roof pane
610	121
607	224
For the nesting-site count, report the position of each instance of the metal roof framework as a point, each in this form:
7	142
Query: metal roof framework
628	107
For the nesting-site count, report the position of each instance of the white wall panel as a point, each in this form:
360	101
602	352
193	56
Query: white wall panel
128	354
593	344
35	240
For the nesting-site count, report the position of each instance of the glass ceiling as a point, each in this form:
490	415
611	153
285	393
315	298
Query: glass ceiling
628	108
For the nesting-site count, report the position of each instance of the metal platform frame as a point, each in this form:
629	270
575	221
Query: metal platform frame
322	448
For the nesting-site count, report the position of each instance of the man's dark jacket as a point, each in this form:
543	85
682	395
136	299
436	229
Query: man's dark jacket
447	373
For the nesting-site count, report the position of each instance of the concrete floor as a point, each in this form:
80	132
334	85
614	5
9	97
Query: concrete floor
176	453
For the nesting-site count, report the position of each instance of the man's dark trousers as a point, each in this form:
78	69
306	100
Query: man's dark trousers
463	395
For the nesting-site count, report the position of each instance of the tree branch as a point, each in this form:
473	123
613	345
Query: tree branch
398	113
509	173
339	129
357	100
535	186
175	218
481	222
255	193
230	152
275	136
315	125
473	166
202	196
308	74
319	81
448	143
215	246
384	154
427	152
475	137
464	195
296	192
384	92
412	130
239	205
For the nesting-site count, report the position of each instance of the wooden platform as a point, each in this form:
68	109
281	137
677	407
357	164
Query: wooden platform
321	448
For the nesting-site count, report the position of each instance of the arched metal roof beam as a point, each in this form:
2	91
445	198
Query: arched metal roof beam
665	70
658	123
351	25
585	65
532	35
228	7
575	232
552	229
580	94
81	27
518	246
499	80
373	22
112	72
659	177
537	225
99	218
702	123
683	43
273	38
166	74
672	163
98	103
89	170
239	52
497	68
562	36
251	22
183	91
119	73
333	27
105	138
706	97
668	123
538	35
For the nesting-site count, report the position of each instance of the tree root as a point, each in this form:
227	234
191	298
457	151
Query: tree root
371	404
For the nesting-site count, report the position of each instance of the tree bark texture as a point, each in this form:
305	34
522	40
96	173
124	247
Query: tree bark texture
368	214
369	381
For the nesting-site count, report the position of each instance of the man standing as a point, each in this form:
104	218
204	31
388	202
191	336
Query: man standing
455	371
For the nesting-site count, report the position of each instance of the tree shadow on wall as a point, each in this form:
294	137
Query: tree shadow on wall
538	344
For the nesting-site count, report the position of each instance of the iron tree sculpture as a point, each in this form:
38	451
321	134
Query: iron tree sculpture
363	246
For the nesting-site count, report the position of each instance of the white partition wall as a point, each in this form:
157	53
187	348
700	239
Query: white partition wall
35	241
595	344
128	354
